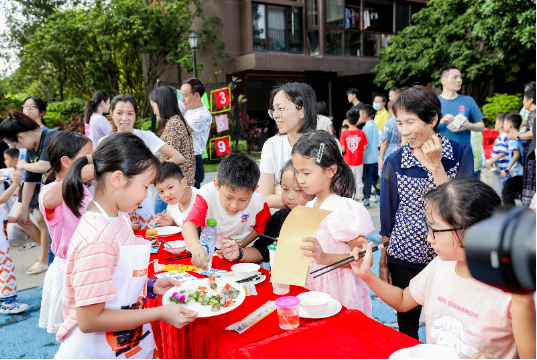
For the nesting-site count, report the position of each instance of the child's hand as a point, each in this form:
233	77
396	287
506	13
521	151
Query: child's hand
362	267
136	226
88	173
230	249
162	285
200	258
488	164
23	217
17	177
316	251
164	219
177	315
503	173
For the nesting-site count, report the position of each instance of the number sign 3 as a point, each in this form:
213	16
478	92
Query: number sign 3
222	98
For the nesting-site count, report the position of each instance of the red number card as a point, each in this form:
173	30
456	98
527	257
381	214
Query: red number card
222	146
222	98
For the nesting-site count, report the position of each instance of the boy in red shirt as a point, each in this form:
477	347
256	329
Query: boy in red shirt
353	144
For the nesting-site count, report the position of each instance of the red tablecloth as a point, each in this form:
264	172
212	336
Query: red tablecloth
207	337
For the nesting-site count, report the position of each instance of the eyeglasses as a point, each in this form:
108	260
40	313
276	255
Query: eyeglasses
279	113
29	107
431	232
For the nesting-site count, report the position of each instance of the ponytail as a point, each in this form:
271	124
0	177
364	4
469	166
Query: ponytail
93	104
15	124
343	183
119	151
63	143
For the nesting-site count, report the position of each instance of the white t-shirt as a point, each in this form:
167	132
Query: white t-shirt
276	152
323	122
175	212
99	128
152	141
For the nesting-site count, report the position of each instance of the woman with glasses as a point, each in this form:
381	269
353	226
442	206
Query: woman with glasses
426	162
293	106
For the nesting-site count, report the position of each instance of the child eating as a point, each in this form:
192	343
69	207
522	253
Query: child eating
240	213
173	190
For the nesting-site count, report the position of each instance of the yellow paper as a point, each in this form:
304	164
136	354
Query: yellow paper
290	264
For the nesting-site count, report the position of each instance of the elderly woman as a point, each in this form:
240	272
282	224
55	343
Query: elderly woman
425	162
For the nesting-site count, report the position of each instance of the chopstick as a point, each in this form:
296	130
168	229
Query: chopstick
248	279
348	260
185	256
268	237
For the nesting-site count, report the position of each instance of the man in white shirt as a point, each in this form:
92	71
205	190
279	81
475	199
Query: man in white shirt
200	119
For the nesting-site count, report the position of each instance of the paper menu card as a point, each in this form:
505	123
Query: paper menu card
290	264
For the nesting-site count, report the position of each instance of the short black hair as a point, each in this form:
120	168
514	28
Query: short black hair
322	109
41	105
515	119
304	97
196	86
12	153
420	101
396	90
445	71
353	116
530	93
238	171
169	170
501	117
383	97
368	110
353	91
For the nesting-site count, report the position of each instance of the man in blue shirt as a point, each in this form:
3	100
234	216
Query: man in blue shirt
371	155
454	104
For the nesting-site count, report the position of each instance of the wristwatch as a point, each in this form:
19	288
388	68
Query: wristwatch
517	137
241	254
150	293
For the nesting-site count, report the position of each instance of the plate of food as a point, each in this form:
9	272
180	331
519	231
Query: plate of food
208	297
168	230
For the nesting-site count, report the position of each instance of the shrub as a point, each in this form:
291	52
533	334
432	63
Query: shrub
501	103
60	111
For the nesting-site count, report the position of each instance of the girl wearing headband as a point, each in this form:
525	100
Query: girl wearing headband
321	171
64	148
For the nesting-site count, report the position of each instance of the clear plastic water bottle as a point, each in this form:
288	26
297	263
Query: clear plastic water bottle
208	239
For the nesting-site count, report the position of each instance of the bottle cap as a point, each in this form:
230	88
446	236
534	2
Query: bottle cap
272	246
287	301
211	222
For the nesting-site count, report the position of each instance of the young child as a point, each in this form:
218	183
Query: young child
292	195
461	313
321	171
231	200
390	138
63	149
500	155
371	155
173	190
8	281
512	175
109	320
11	159
353	144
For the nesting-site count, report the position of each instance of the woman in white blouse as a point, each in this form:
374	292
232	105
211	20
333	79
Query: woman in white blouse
294	108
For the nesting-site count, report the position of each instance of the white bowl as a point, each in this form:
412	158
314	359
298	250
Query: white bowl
314	301
432	351
245	270
177	246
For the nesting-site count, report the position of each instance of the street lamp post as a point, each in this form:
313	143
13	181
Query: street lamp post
193	40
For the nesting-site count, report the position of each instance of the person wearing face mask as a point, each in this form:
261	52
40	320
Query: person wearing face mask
379	104
424	163
200	119
454	104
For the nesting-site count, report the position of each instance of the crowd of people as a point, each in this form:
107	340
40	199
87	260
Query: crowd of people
405	154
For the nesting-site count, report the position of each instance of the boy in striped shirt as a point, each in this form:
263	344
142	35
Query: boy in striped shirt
500	155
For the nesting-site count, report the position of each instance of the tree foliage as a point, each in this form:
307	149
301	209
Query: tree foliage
487	39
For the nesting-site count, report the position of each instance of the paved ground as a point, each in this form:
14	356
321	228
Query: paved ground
24	339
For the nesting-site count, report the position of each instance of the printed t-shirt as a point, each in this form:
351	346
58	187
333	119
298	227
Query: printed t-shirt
464	315
200	120
354	141
238	226
501	145
464	105
517	169
64	222
92	259
33	156
176	214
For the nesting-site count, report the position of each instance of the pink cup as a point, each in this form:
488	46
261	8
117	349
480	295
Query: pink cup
280	289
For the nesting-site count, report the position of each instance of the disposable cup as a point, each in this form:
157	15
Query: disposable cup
280	289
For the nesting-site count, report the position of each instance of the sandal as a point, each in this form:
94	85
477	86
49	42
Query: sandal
27	246
38	267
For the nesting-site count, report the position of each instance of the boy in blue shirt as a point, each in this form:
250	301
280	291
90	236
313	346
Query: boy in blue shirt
500	155
512	174
371	155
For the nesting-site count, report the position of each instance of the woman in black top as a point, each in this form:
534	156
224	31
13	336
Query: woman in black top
292	195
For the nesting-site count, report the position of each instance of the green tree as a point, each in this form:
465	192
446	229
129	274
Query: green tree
487	39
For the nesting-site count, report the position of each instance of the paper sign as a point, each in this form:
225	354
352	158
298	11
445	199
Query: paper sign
222	123
221	98
290	265
87	129
222	146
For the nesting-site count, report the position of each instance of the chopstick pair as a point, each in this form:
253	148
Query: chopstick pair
347	260
268	237
180	257
255	277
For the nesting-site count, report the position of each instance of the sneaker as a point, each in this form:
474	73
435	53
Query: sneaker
366	204
27	246
375	200
13	308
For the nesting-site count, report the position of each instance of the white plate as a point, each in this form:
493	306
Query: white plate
205	310
168	230
232	277
332	309
402	354
432	351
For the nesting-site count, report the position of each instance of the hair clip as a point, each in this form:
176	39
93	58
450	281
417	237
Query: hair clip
90	159
320	154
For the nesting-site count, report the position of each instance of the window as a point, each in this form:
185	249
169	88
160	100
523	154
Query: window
333	42
277	28
353	43
402	16
312	13
374	43
312	46
335	12
378	16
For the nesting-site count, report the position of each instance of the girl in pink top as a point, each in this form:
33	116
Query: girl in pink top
321	171
461	313
63	149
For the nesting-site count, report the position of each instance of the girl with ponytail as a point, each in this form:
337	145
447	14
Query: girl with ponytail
97	319
63	149
321	171
93	115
